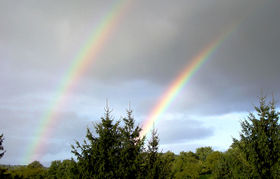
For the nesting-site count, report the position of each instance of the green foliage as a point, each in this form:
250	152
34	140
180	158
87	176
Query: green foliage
131	148
117	151
34	170
187	165
114	153
157	165
53	171
99	156
203	152
260	140
217	163
237	163
35	165
62	170
1	146
4	173
153	150
167	160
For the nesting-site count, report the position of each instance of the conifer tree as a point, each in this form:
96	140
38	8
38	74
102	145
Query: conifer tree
1	146
115	152
153	148
156	165
132	147
98	157
260	139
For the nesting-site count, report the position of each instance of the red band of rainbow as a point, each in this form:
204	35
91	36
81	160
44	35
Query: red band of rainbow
181	80
86	56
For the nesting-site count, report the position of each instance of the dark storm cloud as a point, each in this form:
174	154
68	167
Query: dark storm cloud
171	34
245	64
149	47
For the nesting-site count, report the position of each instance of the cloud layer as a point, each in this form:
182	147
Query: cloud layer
148	48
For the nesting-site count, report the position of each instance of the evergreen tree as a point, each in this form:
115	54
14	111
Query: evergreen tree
116	151
157	166
260	140
153	148
131	149
237	164
99	157
1	146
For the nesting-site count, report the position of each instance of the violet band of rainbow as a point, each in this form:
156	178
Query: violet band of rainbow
182	80
86	56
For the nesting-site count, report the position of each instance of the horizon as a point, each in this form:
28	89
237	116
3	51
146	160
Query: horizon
193	68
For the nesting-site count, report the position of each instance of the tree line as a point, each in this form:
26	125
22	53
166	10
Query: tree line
115	150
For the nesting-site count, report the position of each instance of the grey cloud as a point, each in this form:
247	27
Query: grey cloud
15	125
152	43
245	64
14	147
182	130
160	52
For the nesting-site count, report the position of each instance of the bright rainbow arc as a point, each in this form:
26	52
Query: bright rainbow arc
80	64
181	80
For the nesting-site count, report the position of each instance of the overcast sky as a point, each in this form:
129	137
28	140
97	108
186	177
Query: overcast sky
151	44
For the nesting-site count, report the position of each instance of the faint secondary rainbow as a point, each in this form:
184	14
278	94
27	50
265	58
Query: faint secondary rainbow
77	68
181	80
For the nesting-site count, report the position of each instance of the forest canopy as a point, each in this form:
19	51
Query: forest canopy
116	150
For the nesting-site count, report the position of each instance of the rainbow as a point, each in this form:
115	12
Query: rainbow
181	80
187	73
77	68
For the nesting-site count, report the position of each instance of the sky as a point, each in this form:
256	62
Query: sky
148	44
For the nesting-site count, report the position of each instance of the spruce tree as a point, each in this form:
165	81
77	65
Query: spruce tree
131	148
1	146
260	139
115	151
98	157
153	148
157	166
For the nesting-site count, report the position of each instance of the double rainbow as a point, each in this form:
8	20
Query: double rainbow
78	67
86	57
